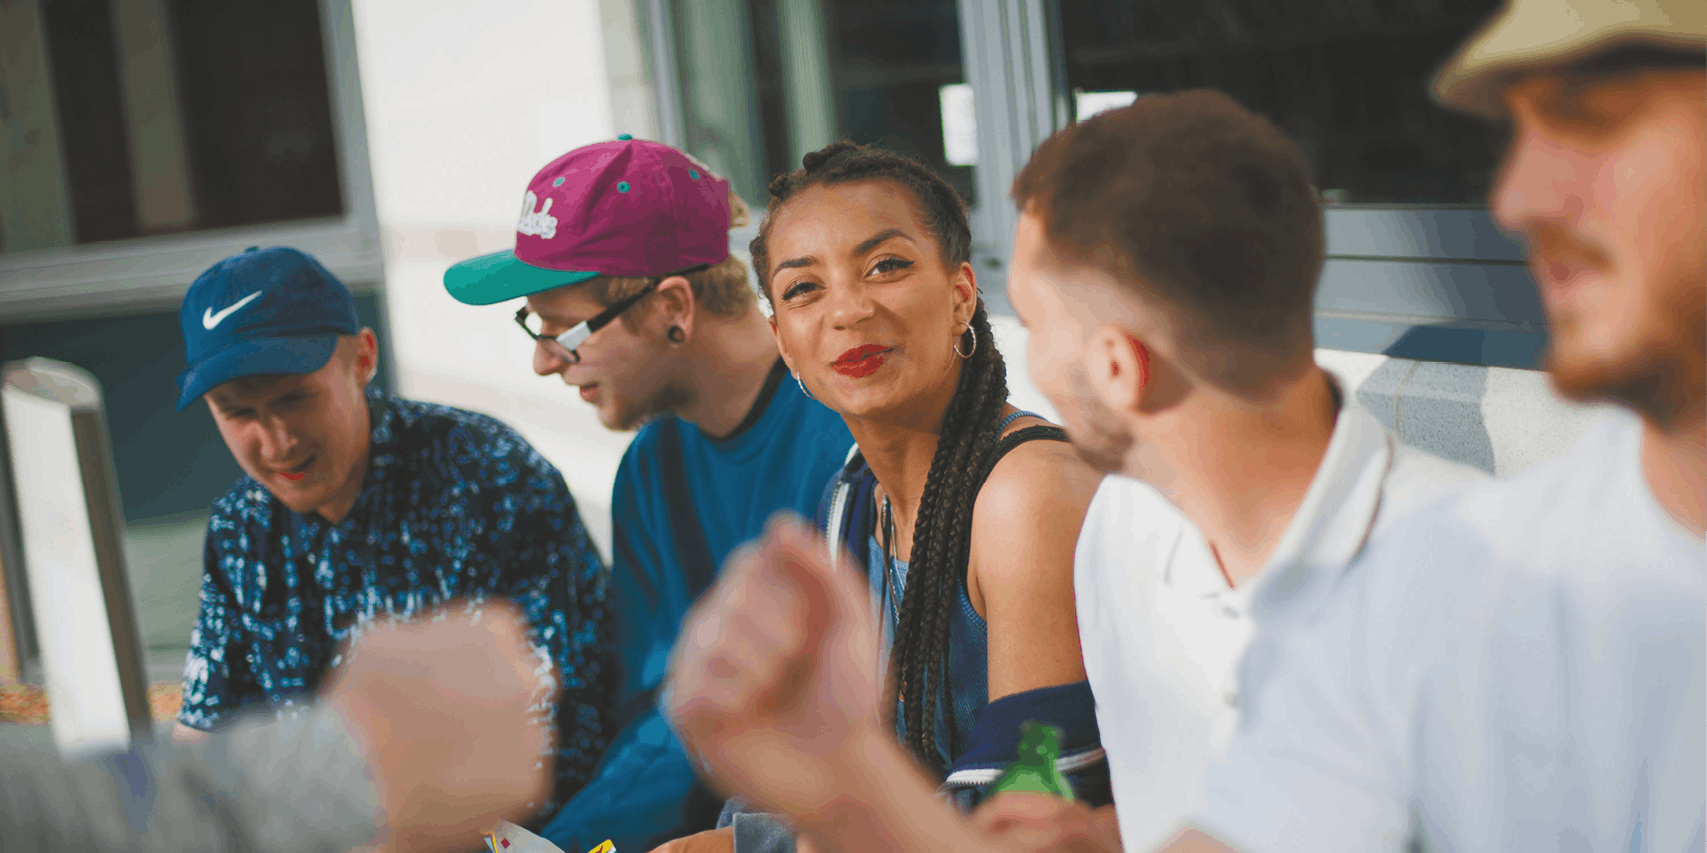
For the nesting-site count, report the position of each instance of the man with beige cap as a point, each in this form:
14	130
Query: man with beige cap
1525	669
1517	667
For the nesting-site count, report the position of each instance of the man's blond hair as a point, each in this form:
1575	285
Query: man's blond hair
722	289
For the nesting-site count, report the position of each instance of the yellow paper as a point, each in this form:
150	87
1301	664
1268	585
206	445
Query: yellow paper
606	847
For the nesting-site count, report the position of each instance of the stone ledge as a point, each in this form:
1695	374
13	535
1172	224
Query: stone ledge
1500	420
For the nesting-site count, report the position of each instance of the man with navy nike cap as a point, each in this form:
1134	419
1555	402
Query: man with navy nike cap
632	296
357	505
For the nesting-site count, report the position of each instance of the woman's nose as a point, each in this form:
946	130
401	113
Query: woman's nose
849	305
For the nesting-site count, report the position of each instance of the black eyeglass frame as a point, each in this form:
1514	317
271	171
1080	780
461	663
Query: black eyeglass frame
566	345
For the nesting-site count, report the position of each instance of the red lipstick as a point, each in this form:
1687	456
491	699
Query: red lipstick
860	361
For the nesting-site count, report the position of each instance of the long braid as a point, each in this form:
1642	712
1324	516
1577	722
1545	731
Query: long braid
942	533
942	543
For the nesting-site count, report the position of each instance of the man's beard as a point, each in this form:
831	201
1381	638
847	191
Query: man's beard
1099	438
664	401
1659	376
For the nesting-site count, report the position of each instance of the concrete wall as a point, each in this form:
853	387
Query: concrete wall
1501	420
465	102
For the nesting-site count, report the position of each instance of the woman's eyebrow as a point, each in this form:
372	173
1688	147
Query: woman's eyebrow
793	263
877	239
870	243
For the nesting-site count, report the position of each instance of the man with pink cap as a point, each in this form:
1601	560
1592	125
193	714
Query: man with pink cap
622	253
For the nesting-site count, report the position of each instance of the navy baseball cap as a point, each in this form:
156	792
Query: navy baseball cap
266	311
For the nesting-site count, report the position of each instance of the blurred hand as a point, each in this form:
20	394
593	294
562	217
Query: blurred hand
1021	821
774	681
440	707
709	841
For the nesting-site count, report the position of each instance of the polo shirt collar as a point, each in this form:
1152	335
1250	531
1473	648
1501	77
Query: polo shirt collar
1327	530
1333	522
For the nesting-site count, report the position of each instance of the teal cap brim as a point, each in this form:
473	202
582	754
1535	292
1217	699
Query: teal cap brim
499	277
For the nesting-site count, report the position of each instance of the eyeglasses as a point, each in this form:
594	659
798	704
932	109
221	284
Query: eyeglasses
564	346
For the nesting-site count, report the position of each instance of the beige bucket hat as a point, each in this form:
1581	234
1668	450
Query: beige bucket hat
1535	34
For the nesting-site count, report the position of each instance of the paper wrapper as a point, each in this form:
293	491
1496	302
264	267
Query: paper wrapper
506	837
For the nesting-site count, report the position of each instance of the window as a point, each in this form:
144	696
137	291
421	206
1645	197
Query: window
764	82
1346	80
130	118
1415	265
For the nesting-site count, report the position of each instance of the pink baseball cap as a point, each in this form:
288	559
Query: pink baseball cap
627	208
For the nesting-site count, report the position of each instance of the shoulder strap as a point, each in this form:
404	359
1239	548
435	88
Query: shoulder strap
1038	432
1020	413
692	549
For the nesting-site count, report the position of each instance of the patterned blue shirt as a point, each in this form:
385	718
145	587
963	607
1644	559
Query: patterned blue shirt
452	505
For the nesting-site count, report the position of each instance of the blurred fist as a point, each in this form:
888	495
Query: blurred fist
441	707
709	841
774	680
1023	822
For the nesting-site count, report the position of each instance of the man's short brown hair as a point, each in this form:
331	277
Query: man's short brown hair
1198	203
722	289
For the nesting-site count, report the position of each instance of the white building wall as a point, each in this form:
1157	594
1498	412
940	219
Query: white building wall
465	102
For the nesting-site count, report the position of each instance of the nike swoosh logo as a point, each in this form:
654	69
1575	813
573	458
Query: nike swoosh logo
210	319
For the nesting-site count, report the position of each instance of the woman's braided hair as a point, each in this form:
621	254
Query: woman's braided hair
942	533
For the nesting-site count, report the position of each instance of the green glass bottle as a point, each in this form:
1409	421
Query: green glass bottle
1035	770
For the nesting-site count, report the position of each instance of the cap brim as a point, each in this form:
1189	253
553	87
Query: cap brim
293	356
499	277
1534	37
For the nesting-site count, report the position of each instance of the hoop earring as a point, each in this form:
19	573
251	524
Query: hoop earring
803	387
675	335
970	350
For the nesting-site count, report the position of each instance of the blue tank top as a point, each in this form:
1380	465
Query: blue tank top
968	643
968	656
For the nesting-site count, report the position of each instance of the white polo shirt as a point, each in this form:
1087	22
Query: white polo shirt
1520	667
1163	634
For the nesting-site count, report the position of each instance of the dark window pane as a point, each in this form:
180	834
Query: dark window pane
85	74
1347	80
891	60
134	119
257	110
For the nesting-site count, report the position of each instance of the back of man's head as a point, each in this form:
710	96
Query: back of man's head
1198	208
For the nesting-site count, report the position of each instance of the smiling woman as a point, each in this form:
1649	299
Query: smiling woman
964	524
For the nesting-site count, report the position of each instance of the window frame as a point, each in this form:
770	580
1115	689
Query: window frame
152	273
